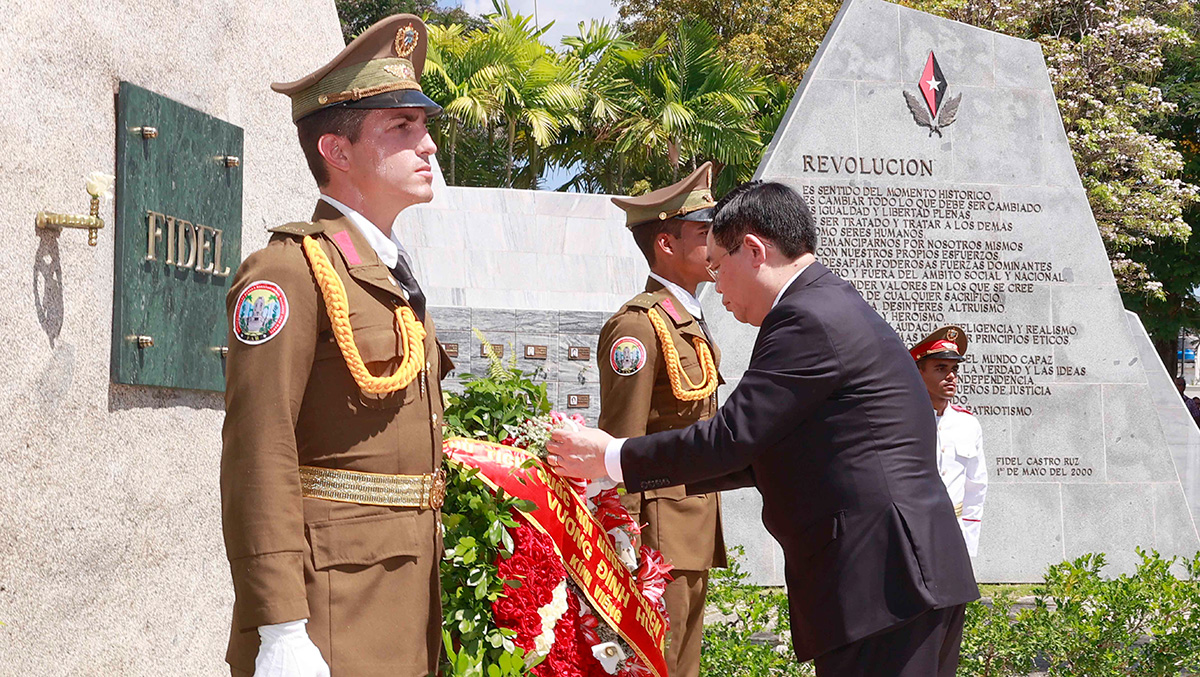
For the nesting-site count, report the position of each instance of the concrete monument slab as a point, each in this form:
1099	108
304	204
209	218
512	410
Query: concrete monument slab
111	557
954	199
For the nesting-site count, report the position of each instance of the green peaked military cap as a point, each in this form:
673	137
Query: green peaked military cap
381	68
689	200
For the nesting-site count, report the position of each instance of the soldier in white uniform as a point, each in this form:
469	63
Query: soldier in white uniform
959	439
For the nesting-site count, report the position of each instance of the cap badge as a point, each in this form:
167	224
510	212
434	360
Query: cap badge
401	71
406	41
952	334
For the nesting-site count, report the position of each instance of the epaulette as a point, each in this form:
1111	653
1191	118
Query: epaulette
964	410
298	228
646	300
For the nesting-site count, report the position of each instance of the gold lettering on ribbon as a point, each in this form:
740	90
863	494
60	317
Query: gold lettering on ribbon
579	541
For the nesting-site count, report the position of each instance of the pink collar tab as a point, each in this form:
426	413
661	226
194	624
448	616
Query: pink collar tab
342	238
670	308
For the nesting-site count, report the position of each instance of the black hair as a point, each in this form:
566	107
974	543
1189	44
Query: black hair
769	210
645	234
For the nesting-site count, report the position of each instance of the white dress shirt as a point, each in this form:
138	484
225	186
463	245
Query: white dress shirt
689	301
961	464
387	248
612	452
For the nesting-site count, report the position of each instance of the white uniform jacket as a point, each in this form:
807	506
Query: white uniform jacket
963	470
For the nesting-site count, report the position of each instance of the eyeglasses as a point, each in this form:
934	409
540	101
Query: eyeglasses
713	272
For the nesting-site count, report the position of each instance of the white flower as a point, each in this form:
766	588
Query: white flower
100	184
550	615
595	487
625	549
610	656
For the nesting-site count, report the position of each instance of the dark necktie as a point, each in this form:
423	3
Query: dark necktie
416	297
704	328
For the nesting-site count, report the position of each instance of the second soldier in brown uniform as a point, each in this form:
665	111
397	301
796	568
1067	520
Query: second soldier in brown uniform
658	371
330	482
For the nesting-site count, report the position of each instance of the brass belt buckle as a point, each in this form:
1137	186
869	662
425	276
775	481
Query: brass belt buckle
437	490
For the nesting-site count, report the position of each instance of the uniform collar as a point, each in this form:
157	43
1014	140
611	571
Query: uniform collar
387	248
684	297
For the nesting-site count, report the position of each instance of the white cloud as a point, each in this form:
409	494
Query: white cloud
566	14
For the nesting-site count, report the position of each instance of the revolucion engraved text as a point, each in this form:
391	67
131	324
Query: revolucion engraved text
883	166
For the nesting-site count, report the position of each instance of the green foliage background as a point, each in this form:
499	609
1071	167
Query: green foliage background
1144	624
629	107
476	523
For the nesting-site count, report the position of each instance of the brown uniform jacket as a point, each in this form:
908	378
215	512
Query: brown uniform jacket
365	577
687	529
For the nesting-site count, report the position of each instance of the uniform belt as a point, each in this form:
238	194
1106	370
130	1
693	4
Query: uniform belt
368	488
958	509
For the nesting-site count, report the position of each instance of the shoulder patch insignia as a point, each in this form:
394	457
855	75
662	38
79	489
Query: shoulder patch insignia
668	306
628	356
964	410
262	310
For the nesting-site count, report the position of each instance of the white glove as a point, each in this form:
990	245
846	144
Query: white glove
287	651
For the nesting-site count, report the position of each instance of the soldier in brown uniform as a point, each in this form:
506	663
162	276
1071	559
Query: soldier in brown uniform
658	371
332	441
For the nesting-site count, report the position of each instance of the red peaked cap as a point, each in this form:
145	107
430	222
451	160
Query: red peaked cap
947	343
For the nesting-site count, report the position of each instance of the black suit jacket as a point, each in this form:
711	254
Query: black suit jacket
832	423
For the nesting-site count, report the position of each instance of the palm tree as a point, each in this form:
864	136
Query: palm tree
538	95
463	70
595	52
687	104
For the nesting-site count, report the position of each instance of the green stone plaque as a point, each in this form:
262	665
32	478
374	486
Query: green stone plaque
178	241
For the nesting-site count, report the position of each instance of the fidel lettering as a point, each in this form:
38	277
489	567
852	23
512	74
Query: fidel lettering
188	245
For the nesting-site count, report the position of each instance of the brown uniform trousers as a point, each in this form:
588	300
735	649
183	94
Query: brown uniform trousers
687	529
365	577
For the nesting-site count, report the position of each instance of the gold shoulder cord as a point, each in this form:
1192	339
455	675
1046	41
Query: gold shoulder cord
412	332
681	385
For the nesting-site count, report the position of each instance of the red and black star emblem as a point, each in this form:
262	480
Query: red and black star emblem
933	88
933	84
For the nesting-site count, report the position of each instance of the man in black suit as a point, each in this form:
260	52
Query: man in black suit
831	423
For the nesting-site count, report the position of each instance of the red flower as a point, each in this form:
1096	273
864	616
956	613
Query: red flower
652	576
611	514
588	623
537	566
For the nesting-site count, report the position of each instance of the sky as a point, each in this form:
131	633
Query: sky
566	14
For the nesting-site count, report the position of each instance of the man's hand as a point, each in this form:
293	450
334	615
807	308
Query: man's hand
578	453
287	651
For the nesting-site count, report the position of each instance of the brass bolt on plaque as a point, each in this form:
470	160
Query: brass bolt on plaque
222	351
142	341
99	185
146	132
230	160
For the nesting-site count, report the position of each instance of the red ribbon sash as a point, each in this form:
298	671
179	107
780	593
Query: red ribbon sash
581	542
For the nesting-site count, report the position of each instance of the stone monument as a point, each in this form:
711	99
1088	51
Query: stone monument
536	273
937	166
111	558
